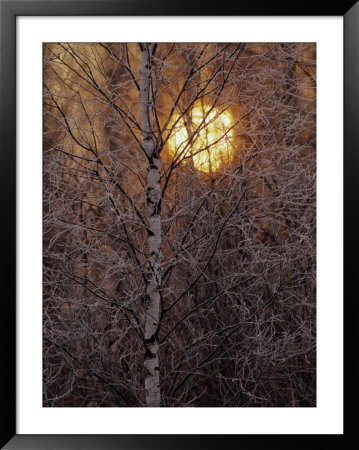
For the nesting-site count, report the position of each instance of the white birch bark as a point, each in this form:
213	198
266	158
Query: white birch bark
152	381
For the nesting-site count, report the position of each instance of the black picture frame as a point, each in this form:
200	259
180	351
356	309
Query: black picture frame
9	10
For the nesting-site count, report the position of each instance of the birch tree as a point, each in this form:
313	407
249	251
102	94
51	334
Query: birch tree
153	199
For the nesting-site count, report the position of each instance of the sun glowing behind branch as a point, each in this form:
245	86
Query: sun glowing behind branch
203	137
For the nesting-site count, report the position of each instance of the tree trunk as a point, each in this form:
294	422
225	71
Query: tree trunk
152	374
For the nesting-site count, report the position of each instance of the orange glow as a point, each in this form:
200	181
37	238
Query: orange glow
203	137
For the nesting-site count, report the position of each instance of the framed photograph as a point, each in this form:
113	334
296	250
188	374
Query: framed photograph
174	180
